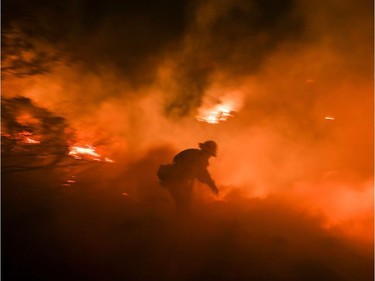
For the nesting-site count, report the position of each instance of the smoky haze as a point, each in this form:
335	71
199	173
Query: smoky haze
295	162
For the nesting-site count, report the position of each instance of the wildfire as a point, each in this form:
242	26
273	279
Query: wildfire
78	151
217	114
31	141
219	104
87	152
22	137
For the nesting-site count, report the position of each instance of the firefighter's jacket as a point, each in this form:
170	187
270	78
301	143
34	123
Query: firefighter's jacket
192	163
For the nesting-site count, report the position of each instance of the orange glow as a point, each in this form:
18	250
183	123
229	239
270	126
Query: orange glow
346	207
27	119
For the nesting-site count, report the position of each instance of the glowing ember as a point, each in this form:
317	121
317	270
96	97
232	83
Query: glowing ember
219	113
69	182
106	159
329	118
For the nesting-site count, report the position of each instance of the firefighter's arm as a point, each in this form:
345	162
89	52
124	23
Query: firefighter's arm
205	177
214	188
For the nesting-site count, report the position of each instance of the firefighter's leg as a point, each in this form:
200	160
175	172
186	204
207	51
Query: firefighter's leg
184	196
175	191
182	193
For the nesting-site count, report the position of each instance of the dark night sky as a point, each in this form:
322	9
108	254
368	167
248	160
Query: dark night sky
131	35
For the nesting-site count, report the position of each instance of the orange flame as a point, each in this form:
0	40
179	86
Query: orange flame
78	151
31	141
217	114
23	136
87	152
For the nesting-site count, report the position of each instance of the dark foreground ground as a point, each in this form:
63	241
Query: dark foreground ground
91	231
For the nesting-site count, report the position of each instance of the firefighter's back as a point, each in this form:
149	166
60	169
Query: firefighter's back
190	161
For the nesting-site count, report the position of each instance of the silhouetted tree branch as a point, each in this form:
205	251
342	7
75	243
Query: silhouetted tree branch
31	136
25	55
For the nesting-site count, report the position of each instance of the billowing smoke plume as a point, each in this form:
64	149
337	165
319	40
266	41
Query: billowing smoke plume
135	78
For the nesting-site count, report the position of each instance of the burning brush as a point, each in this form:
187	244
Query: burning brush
33	137
219	109
215	115
87	152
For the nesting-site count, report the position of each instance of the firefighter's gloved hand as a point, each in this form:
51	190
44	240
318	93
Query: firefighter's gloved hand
215	190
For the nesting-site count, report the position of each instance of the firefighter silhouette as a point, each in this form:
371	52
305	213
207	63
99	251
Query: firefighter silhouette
188	165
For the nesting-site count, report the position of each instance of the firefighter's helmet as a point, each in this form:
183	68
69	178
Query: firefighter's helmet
209	146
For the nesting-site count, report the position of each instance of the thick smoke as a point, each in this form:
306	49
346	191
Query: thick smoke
296	198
